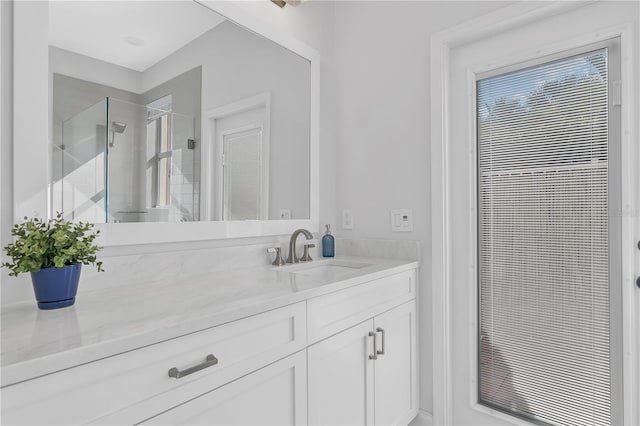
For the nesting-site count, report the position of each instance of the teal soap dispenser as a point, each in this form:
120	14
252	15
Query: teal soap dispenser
328	244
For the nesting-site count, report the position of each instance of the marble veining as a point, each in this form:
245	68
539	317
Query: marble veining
378	248
125	269
108	321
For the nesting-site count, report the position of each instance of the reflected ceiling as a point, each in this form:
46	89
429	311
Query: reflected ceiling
127	33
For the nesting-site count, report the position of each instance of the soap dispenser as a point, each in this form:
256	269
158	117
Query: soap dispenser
328	246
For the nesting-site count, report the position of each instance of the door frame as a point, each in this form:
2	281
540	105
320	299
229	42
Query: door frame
210	150
222	195
442	258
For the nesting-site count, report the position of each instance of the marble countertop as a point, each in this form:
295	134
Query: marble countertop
107	322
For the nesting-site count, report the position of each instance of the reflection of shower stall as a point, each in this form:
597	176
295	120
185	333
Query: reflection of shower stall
124	162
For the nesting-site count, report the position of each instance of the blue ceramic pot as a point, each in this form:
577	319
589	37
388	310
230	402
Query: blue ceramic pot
56	287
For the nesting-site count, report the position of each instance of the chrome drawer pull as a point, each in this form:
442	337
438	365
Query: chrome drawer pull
381	330
211	360
375	345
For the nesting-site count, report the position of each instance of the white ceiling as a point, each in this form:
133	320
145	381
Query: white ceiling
132	34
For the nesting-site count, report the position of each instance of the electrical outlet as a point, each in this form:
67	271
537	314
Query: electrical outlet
285	214
402	220
347	219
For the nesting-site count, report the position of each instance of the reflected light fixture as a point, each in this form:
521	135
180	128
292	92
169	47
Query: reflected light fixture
133	41
283	3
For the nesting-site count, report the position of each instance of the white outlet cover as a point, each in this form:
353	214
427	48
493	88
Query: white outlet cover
402	220
285	214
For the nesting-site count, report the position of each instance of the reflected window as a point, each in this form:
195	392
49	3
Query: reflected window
159	152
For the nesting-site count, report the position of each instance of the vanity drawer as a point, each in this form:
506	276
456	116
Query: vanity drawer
334	312
137	383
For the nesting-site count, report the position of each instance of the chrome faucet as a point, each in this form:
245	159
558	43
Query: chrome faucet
293	256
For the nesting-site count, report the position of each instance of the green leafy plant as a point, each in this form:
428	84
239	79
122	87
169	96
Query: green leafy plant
54	243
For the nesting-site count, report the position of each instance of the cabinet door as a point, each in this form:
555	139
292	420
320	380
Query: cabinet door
341	378
273	395
396	375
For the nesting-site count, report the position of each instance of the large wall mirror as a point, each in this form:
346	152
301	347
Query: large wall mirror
167	111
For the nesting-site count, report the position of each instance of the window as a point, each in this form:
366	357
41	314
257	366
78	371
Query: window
544	242
159	152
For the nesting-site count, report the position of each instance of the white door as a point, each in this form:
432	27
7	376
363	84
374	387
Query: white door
241	177
274	395
511	51
396	376
341	378
242	165
237	153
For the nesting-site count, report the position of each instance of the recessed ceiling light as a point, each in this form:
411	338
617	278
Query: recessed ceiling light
134	41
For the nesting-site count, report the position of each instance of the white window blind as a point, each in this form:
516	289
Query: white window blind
543	242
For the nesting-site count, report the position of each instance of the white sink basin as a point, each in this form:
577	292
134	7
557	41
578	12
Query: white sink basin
327	268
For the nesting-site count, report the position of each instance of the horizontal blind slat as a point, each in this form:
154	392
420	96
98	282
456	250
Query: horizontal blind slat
543	241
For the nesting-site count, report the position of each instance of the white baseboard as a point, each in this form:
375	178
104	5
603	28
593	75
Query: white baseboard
422	419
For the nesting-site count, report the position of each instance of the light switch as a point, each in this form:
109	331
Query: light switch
347	219
402	220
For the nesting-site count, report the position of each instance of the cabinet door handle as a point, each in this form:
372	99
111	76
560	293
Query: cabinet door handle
375	345
381	330
210	361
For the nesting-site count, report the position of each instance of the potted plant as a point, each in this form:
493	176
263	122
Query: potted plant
53	252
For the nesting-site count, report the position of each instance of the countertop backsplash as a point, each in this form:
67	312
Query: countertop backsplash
129	265
378	248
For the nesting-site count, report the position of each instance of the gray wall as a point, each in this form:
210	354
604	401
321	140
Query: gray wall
382	60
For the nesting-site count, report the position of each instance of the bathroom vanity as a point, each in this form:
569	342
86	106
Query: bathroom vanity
326	342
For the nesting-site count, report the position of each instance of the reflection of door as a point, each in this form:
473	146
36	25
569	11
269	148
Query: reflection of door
238	152
241	164
531	219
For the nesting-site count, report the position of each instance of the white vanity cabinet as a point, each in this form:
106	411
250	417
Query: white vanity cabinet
344	354
365	374
136	386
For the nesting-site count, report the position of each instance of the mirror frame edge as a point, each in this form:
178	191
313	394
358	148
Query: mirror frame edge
126	234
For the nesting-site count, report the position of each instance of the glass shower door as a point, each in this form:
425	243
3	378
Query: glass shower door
119	161
82	185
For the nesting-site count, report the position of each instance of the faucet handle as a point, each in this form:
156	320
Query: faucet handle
278	261
305	255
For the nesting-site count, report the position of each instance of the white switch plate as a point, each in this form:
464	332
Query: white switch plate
402	220
285	214
347	219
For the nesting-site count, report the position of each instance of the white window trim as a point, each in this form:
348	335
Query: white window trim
442	260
